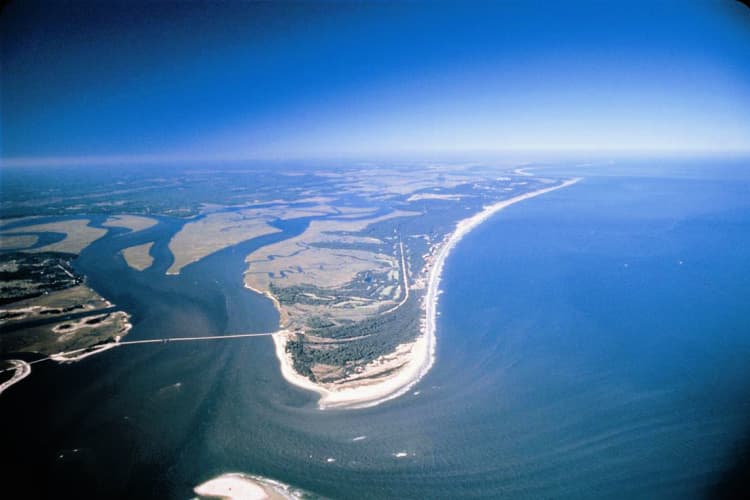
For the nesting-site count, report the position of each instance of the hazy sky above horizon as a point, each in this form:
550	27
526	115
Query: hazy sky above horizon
372	78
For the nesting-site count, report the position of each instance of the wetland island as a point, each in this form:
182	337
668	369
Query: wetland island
355	283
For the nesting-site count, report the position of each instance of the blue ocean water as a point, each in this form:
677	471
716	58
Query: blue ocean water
592	342
612	323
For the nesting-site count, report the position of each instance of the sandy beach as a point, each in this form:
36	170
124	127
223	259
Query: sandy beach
236	486
419	355
71	357
21	370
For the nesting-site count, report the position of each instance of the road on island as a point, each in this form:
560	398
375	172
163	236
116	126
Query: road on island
404	283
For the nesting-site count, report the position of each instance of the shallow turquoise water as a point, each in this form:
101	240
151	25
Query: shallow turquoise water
593	342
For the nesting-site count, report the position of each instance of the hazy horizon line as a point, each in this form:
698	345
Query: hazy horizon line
473	155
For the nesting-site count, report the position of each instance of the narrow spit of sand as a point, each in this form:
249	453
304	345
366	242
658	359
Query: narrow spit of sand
21	370
421	352
237	486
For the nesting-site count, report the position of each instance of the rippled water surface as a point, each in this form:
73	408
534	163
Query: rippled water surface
593	343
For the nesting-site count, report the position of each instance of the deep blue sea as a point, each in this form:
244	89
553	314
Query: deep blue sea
593	342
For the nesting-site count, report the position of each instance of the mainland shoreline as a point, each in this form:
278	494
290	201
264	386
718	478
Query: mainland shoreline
420	352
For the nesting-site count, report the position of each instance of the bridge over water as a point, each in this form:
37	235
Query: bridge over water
22	368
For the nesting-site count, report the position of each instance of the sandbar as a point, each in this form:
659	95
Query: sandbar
139	257
78	235
212	233
132	222
21	369
236	486
18	242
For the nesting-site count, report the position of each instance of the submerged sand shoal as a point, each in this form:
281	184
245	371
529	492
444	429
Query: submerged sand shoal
420	353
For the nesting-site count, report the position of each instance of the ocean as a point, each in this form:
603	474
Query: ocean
592	342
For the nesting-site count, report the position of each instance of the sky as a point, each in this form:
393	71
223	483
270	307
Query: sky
116	82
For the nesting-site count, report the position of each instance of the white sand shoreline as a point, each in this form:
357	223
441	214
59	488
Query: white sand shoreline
21	370
239	486
67	357
422	355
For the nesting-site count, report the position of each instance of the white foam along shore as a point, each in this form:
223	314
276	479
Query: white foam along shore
422	355
237	486
21	370
73	356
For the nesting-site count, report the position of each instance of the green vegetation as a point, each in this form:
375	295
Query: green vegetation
359	343
316	322
27	275
301	294
330	285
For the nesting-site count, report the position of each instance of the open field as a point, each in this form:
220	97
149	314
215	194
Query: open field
329	271
304	260
286	211
379	183
132	222
210	234
78	235
138	257
67	335
18	242
71	300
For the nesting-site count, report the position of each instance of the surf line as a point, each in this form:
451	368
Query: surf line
421	356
